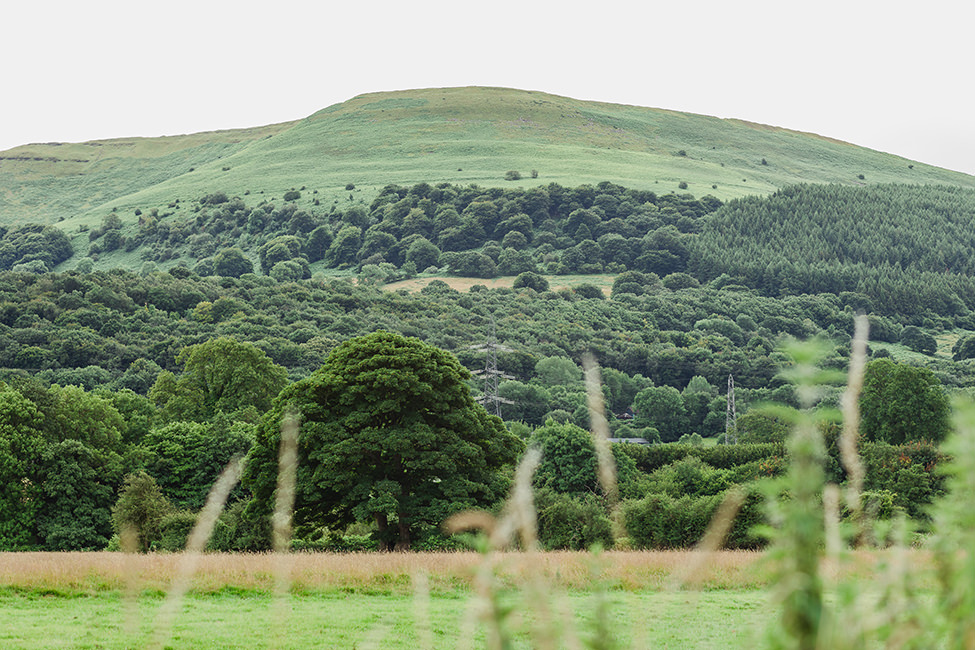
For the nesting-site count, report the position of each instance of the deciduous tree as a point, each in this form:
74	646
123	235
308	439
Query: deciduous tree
222	375
901	403
389	434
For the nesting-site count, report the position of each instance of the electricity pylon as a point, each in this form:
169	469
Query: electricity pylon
491	399
731	421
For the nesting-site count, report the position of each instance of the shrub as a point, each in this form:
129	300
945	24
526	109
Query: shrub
512	175
676	281
529	280
659	521
292	195
176	529
682	185
572	523
589	291
918	340
214	199
142	506
964	348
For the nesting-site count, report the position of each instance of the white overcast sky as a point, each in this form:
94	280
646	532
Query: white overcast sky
889	75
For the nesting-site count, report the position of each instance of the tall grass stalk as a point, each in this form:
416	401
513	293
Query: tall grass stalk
603	637
954	544
693	571
517	519
850	403
605	463
281	520
129	544
195	545
421	610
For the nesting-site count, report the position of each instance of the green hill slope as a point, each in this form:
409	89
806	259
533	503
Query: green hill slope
457	135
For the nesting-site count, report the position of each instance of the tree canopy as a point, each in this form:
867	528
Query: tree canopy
901	403
390	434
222	375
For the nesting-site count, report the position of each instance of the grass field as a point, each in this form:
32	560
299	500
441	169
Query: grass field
414	600
721	619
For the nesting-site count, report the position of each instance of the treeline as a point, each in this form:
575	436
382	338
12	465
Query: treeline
904	251
75	465
897	250
470	230
120	329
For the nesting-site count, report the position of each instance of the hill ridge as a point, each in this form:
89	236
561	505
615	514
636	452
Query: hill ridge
460	135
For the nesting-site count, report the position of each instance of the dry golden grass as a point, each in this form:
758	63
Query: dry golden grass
627	570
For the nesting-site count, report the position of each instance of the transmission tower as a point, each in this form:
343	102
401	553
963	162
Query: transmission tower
731	422
491	399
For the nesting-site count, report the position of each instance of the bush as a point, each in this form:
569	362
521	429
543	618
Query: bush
512	175
676	281
589	291
214	199
572	523
292	195
662	522
689	476
918	340
682	185
176	529
529	280
143	507
964	348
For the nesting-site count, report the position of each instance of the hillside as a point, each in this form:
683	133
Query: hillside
456	135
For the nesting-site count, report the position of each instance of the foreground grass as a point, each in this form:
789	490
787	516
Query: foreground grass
718	619
78	600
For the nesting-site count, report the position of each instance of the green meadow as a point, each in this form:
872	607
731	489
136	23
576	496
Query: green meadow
716	619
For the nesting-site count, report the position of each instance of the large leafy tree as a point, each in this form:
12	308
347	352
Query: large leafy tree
82	468
569	460
901	403
186	458
663	408
222	375
21	447
390	434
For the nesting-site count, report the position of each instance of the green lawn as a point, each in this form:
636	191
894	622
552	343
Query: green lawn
712	619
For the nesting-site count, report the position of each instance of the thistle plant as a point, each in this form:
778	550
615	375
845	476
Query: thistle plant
954	542
795	506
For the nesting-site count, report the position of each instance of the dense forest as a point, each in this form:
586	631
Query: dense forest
103	390
895	250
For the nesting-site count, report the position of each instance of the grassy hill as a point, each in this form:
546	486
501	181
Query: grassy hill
457	135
